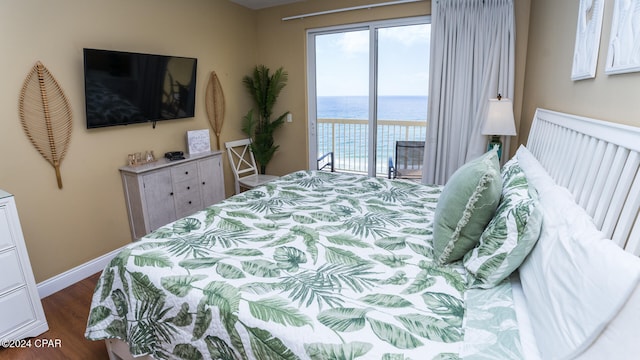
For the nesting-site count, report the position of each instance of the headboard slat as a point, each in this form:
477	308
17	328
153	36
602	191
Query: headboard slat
633	244
594	162
598	162
595	194
629	213
580	166
622	188
563	155
556	135
606	198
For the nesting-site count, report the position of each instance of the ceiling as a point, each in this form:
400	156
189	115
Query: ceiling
261	4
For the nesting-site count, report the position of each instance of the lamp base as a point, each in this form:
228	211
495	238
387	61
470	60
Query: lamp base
495	141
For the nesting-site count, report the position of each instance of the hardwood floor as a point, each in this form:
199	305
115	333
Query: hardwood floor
66	313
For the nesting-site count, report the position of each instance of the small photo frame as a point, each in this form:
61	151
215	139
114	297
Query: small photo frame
624	42
198	141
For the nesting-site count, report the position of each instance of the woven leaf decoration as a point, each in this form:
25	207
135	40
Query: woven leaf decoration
45	115
214	102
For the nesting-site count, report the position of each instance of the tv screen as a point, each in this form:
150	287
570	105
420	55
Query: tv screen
126	88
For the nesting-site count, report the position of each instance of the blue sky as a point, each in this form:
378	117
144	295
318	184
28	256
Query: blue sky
342	62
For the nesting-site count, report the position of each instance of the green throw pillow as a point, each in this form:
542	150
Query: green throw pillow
465	207
510	235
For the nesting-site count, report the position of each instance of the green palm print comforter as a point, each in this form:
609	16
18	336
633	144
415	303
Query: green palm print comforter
314	265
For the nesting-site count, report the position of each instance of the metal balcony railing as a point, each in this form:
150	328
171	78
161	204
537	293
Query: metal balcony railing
348	140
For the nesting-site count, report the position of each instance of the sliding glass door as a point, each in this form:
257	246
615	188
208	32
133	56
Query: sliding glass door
368	88
342	98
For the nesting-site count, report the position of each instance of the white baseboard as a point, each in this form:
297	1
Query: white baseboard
74	275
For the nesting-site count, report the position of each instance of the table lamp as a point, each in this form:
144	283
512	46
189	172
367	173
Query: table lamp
499	122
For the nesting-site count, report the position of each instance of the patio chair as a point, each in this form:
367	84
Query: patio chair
409	156
244	166
326	161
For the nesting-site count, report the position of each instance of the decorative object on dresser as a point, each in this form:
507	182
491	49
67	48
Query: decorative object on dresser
21	313
198	141
136	159
174	155
164	191
214	102
45	115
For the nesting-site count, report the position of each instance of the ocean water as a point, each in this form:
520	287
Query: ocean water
356	107
351	140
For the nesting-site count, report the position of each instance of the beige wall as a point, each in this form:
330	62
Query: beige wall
548	81
87	218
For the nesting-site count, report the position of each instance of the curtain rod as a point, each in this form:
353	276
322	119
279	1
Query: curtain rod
349	9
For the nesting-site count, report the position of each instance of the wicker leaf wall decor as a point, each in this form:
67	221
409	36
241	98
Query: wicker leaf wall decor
45	115
214	101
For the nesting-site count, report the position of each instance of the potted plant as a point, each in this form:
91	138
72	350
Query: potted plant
264	89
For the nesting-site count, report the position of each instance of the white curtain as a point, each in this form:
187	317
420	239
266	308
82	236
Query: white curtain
472	60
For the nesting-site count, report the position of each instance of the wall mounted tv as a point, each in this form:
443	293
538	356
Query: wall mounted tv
126	88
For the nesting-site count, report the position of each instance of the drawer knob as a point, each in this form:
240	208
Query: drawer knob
189	202
203	183
188	187
186	173
171	193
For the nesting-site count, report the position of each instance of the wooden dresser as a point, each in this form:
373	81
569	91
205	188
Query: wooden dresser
164	191
21	313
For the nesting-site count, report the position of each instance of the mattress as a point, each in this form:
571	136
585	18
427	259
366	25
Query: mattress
314	265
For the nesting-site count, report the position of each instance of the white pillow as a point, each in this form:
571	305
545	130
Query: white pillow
536	174
623	329
574	281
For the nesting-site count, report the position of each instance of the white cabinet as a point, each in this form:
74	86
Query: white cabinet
164	191
21	313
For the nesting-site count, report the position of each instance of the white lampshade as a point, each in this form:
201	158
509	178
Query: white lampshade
499	119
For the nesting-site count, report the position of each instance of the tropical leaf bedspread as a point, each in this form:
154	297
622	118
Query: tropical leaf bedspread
314	265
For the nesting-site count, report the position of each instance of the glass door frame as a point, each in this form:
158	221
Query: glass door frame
372	27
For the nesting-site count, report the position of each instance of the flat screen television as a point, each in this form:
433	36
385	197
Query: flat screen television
127	88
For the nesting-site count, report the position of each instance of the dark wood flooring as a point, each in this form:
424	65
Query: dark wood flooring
66	313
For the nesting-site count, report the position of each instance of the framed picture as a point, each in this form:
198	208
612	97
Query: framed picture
624	44
198	141
585	55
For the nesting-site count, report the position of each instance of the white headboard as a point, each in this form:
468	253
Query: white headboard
598	162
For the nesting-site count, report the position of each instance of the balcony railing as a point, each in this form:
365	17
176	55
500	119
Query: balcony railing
348	140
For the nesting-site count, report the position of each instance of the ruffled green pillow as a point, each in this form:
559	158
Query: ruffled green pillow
465	207
510	235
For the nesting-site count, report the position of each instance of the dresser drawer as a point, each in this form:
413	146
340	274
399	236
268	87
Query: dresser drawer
16	311
6	238
184	172
11	271
188	198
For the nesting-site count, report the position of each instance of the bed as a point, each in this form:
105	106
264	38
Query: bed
319	265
